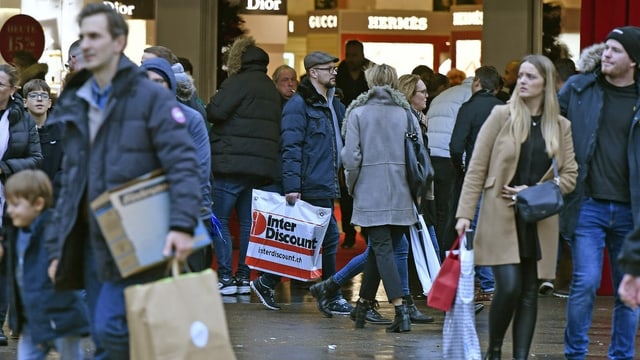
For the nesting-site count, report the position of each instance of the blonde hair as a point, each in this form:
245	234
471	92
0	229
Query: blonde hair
30	185
380	75
407	84
521	116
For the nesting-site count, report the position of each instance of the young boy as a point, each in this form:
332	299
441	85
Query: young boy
37	100
45	319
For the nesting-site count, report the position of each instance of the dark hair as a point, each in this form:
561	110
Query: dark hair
489	77
565	68
421	69
435	81
30	184
162	52
115	22
35	85
354	43
186	64
14	78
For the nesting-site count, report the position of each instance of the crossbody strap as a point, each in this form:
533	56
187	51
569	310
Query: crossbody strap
556	177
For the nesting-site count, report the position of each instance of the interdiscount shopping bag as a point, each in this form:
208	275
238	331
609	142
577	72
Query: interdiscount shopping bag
180	317
286	240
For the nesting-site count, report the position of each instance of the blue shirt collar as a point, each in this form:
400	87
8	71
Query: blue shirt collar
100	96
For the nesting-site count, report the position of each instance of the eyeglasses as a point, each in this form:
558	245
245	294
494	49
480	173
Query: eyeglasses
329	69
5	85
35	96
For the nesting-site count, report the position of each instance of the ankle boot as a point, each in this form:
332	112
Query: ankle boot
401	322
414	314
493	354
362	306
323	292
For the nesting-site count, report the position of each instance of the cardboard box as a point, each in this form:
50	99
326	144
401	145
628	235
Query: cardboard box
134	220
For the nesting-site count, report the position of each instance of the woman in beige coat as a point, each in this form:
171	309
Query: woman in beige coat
513	151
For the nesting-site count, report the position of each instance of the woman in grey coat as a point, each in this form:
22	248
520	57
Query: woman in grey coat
374	162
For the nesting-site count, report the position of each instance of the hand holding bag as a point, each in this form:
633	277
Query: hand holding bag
444	287
418	164
180	317
540	201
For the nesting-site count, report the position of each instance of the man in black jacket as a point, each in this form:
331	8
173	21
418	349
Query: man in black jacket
471	116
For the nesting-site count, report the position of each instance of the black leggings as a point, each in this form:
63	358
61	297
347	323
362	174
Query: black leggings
516	296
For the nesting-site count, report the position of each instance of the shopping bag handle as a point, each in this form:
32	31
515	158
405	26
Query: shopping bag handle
175	267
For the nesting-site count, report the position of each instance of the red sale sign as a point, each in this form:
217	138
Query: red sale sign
21	32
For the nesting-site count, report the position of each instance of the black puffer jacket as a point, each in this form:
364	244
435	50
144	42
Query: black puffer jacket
24	150
245	116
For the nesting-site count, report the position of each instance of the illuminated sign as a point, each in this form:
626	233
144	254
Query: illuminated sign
463	18
397	23
134	9
266	7
323	21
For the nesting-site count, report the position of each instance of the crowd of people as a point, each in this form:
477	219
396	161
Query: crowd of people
336	134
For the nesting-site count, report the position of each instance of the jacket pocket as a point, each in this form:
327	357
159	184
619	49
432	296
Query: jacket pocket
489	182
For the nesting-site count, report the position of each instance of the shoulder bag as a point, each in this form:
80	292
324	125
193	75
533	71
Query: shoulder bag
418	164
540	201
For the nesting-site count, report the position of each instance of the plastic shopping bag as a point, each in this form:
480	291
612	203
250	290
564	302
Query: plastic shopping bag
285	239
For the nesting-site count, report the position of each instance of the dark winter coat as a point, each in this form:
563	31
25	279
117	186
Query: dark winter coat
309	151
581	101
471	116
50	314
143	130
24	150
245	116
51	143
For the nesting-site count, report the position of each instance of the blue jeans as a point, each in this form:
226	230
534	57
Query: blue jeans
111	317
69	347
600	224
356	265
232	193
484	273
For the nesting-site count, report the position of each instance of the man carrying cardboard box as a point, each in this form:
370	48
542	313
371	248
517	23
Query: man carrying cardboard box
118	126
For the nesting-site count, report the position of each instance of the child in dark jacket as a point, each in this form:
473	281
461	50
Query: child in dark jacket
45	319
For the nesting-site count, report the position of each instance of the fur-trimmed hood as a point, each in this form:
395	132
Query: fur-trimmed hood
380	92
590	58
244	54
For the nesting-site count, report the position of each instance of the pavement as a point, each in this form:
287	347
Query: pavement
299	331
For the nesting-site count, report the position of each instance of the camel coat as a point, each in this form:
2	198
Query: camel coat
493	165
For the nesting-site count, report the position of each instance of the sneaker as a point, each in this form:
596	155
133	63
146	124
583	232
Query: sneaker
340	306
484	295
546	287
561	293
265	294
227	285
243	285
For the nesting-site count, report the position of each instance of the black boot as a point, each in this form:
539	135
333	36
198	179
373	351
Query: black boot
373	316
401	322
362	306
493	354
414	314
323	292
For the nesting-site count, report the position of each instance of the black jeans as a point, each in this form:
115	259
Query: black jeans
443	185
515	297
381	264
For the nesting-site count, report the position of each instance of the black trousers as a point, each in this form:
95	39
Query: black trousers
381	264
515	297
443	186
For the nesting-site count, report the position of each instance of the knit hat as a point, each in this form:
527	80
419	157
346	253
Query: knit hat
629	37
317	58
161	67
178	71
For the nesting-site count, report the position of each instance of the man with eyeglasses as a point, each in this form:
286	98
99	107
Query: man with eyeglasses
310	146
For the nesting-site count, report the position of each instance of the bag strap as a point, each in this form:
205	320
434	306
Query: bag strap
410	129
556	177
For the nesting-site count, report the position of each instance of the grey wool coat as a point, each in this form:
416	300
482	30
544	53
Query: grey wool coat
373	158
493	165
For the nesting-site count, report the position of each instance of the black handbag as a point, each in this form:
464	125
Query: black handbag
418	164
540	201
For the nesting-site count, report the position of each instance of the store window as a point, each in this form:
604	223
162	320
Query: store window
402	56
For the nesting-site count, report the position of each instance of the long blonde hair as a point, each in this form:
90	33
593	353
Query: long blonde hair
521	116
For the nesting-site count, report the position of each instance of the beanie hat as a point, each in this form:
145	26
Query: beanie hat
180	74
161	67
629	37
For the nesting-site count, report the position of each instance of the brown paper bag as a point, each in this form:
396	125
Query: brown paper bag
180	317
